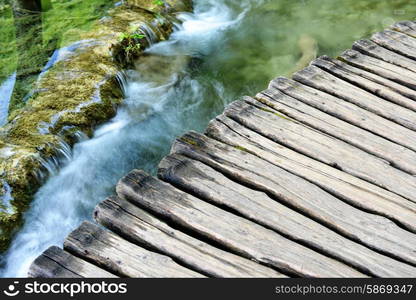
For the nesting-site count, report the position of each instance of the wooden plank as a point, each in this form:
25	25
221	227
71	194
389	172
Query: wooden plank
355	191
44	267
371	230
201	180
372	49
324	81
326	149
237	234
382	68
398	42
398	156
111	252
347	112
381	87
406	27
142	228
57	263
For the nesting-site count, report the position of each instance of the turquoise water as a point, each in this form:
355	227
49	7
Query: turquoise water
224	50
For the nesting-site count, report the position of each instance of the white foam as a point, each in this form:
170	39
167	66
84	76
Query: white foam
141	133
6	91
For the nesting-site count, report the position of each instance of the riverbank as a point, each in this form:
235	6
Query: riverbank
78	91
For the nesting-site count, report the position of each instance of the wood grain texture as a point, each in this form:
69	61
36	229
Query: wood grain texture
398	42
398	156
142	228
380	67
373	49
407	27
380	87
111	252
324	148
237	234
201	180
347	111
265	175
321	80
57	263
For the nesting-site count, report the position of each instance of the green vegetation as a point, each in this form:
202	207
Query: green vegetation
28	50
159	2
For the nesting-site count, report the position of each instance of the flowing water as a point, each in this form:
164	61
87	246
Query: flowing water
6	89
221	51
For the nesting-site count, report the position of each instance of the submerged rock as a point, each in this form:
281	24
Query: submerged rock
308	46
77	90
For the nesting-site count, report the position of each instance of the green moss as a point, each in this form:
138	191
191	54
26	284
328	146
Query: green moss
241	148
28	50
8	55
266	110
282	116
189	141
132	41
265	102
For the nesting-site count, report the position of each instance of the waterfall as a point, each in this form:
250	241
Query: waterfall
6	91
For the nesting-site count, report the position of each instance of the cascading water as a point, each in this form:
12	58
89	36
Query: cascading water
6	90
225	49
159	105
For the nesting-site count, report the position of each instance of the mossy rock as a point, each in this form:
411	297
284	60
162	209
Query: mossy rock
75	95
168	6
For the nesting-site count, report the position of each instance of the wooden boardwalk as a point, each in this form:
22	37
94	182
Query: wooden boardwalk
313	177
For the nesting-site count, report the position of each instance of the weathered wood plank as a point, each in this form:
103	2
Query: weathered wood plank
380	67
325	148
406	27
321	80
206	183
57	263
347	112
111	252
142	228
372	49
233	232
374	231
380	87
397	42
355	191
397	87
44	267
398	156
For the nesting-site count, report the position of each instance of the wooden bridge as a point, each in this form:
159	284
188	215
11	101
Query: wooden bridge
313	177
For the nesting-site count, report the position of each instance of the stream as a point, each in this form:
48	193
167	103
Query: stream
221	51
